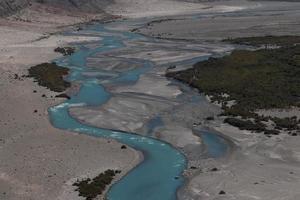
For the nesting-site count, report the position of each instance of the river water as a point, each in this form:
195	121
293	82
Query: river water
160	174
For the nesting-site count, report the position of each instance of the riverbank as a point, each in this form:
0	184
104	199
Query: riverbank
49	171
259	167
242	90
260	163
165	8
37	160
257	18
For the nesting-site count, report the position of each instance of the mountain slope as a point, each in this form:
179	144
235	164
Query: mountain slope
8	7
82	5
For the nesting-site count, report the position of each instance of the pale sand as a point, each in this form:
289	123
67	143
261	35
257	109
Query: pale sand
37	160
268	162
258	168
257	19
280	113
156	8
132	106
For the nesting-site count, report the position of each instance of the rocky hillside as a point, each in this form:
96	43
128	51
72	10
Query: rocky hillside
8	7
83	5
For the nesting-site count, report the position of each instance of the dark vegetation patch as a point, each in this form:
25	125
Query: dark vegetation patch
214	169
282	41
271	132
158	21
253	80
222	192
288	123
210	118
261	79
50	76
91	188
246	124
171	67
66	51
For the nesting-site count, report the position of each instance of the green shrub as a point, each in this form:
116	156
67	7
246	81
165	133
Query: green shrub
50	75
287	40
260	79
271	132
246	124
287	123
90	189
66	51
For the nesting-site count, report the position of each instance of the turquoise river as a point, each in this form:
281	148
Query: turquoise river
159	176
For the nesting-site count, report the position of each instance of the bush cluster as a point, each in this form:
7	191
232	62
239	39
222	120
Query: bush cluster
50	76
91	188
259	79
288	40
66	51
246	124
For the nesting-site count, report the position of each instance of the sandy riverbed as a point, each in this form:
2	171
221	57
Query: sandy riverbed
255	167
258	167
40	162
158	8
256	19
37	160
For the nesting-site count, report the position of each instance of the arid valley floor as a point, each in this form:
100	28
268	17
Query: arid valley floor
39	161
